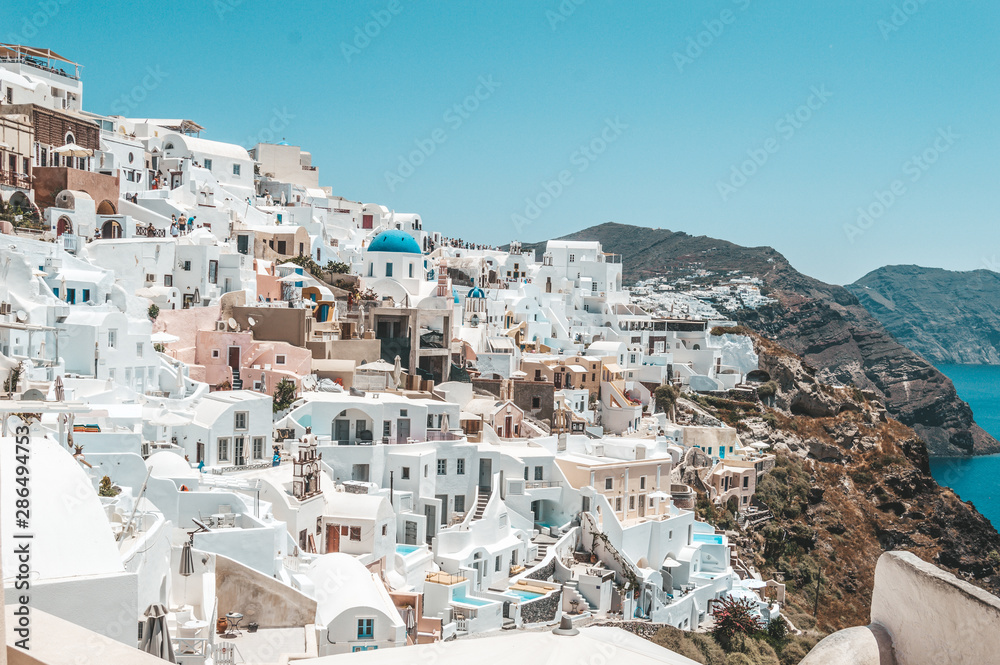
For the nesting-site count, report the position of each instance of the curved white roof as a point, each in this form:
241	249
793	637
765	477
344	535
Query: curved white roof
194	144
72	536
167	464
344	584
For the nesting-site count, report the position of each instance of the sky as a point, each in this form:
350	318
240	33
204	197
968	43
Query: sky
847	134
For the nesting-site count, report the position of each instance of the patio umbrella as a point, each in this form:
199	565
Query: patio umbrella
377	366
444	422
187	560
659	495
155	636
397	372
163	337
73	150
60	389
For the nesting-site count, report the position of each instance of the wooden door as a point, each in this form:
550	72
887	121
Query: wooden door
332	538
234	357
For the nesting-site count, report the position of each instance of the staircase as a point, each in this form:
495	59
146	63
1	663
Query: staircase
481	501
237	381
543	542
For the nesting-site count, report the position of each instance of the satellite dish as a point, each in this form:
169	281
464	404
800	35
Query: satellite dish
22	316
232	323
252	321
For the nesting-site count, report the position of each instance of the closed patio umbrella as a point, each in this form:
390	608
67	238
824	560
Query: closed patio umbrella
444	422
155	636
187	560
397	371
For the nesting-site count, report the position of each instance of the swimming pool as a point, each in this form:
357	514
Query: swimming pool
714	538
478	602
522	594
407	549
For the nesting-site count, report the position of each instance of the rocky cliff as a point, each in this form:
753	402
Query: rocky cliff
823	323
850	483
945	316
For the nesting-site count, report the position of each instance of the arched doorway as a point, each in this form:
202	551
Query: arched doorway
111	229
64	225
107	208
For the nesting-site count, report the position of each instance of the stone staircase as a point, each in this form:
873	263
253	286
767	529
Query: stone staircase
543	542
237	381
481	501
571	592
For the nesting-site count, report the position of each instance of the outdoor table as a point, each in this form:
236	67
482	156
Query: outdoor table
233	620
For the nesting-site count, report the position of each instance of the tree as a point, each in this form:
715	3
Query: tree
153	312
735	622
284	395
665	397
337	268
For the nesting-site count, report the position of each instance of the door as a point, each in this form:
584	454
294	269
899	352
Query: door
201	453
410	533
243	244
642	505
332	538
342	431
234	358
238	450
486	474
402	430
508	427
430	514
443	498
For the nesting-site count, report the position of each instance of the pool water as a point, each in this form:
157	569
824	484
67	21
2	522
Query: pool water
406	549
713	538
525	595
478	602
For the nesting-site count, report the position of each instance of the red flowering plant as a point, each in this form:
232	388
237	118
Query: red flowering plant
734	622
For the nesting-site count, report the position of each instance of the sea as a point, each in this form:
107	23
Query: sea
975	479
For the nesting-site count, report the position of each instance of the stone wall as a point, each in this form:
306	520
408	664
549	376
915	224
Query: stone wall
544	573
543	610
260	598
524	394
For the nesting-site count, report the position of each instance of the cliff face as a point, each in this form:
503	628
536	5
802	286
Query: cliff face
823	323
945	316
850	483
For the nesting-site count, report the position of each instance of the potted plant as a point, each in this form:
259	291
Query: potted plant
252	627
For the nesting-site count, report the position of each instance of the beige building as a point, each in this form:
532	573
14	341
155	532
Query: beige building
634	488
286	163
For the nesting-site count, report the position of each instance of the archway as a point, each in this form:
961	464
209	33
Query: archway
107	208
64	225
111	229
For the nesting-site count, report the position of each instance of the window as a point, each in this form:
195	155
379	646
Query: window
459	503
24	165
356	533
223	449
642	482
631	502
411	270
215	353
609	483
618	504
572	258
138	349
388	270
538	473
425	470
258	447
442	467
10	95
385	529
236	169
279	360
746	482
387	428
187	266
405	473
525	473
593	287
430	420
168	280
213	272
536	402
208	164
366	629
112	339
496	565
86	295
460	467
240	420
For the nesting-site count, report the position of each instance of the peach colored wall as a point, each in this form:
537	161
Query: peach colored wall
268	286
185	323
217	369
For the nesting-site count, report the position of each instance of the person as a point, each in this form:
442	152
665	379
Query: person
190	223
276	460
173	229
182	222
201	466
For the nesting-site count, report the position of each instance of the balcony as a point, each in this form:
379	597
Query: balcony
14	179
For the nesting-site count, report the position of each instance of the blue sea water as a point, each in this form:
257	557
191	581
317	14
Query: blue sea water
975	479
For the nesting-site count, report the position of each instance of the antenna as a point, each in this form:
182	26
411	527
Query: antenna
232	323
251	321
22	316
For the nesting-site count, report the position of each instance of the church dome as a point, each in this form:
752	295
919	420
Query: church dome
476	293
394	241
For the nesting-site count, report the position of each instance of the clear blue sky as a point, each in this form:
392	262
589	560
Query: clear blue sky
678	125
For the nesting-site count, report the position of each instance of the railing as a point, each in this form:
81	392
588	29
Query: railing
14	179
536	484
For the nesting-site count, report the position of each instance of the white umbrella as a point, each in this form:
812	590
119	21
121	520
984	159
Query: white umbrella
760	446
4	146
155	635
163	337
73	150
397	372
659	495
444	422
377	366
